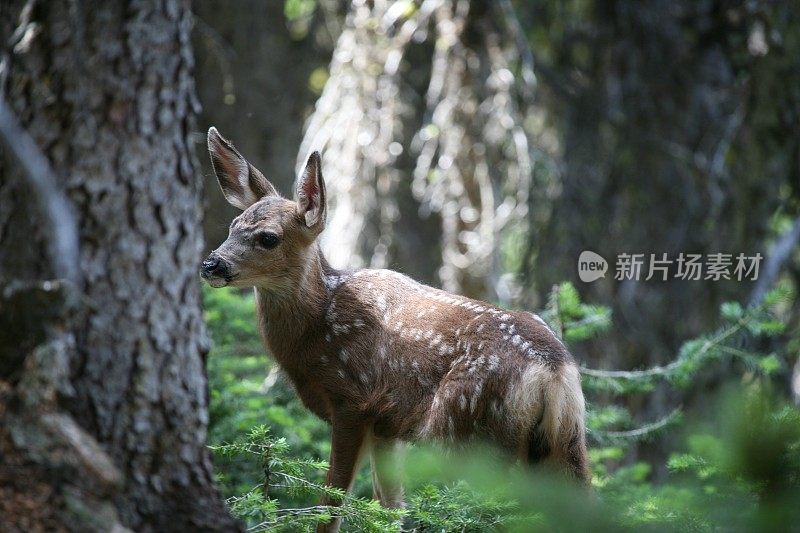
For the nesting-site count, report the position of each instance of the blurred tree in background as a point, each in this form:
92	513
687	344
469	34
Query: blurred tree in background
672	121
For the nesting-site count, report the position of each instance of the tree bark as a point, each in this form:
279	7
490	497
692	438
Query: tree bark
106	90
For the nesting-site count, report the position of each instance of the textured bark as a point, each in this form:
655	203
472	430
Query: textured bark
106	90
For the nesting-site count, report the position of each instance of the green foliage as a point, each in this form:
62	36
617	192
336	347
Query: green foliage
297	9
739	470
572	319
289	476
458	507
229	316
245	393
298	15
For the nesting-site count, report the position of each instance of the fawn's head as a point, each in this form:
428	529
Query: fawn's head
269	244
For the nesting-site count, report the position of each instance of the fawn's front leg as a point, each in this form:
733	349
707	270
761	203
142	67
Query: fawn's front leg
347	445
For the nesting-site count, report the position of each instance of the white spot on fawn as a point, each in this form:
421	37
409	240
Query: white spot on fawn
473	403
496	409
340	328
475	365
462	401
343	355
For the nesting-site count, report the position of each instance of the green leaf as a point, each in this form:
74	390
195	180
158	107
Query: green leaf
769	364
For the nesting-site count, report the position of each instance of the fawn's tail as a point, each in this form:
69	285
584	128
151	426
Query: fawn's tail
559	439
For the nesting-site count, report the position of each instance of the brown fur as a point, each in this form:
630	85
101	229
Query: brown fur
384	358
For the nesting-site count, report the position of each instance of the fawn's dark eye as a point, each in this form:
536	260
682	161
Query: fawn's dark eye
268	240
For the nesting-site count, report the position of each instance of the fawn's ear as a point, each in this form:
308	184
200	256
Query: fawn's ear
241	183
310	194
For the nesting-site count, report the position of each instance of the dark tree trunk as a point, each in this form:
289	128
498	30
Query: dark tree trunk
253	78
106	90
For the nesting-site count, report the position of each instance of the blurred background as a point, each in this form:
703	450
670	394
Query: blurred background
481	146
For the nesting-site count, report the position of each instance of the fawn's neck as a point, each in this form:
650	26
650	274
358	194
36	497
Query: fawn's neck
285	316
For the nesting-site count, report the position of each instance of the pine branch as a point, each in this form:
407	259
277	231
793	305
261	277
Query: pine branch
670	369
696	353
640	433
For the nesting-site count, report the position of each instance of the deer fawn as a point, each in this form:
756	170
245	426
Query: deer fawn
383	358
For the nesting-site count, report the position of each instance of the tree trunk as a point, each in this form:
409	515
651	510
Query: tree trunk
106	90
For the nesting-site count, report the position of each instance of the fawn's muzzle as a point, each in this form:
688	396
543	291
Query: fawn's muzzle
215	271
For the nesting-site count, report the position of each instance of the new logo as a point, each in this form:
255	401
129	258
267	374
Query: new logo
591	266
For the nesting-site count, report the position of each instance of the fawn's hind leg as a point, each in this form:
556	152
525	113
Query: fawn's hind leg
386	458
569	456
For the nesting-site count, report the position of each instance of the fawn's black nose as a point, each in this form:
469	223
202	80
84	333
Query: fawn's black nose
211	264
216	271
